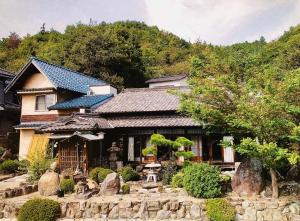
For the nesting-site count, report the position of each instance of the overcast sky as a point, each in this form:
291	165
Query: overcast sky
213	21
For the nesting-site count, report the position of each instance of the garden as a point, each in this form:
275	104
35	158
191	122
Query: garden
184	189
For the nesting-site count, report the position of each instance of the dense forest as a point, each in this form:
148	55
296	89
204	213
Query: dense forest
127	53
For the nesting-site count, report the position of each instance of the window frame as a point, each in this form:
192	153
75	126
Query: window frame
46	107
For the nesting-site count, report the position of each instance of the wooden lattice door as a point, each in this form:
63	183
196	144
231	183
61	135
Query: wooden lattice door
69	156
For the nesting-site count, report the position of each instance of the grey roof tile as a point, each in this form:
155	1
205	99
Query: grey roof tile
141	100
167	78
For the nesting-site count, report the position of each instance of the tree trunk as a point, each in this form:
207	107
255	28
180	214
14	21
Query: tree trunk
275	192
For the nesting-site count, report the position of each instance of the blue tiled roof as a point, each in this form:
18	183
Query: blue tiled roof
64	78
86	101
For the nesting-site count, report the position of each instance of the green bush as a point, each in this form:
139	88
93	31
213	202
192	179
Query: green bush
98	174
38	167
125	189
169	170
10	166
202	180
185	154
128	173
220	210
39	210
67	185
177	180
2	150
23	166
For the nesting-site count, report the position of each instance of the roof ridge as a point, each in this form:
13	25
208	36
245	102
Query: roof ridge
149	89
68	69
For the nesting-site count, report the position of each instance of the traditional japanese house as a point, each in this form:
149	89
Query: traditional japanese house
48	93
129	119
9	110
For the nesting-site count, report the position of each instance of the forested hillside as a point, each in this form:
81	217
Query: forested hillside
127	53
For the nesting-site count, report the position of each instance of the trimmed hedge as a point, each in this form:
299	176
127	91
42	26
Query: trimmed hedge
177	180
39	210
128	174
125	189
202	180
220	210
98	174
67	185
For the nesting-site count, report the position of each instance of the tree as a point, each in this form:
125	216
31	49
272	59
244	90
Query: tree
264	106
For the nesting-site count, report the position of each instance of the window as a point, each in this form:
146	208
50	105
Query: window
42	102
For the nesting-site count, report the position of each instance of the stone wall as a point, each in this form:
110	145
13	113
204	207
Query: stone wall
261	209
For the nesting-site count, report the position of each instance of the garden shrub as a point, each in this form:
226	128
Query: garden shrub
169	170
67	185
38	167
23	166
177	180
220	210
98	174
39	210
10	166
202	180
125	189
2	150
128	173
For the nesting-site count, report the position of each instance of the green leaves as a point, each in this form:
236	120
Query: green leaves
269	153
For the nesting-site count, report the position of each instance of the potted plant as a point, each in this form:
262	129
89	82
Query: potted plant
150	153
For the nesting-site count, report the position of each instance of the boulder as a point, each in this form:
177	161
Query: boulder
111	185
294	173
248	179
49	184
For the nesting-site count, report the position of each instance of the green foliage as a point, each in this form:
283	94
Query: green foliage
225	178
9	166
128	173
202	180
39	210
270	154
150	150
160	140
38	167
67	185
184	141
220	210
23	165
98	174
185	154
125	188
177	180
2	150
169	169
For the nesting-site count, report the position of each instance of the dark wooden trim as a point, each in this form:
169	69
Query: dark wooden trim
43	117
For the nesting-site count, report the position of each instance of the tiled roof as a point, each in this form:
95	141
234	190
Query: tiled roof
86	101
60	77
167	78
34	125
175	120
6	74
141	100
77	122
65	78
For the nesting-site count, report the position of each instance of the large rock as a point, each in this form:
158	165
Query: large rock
110	185
48	184
248	179
294	173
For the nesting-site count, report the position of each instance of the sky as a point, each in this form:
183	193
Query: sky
220	22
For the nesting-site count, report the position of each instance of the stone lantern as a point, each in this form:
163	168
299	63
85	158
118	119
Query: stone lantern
113	155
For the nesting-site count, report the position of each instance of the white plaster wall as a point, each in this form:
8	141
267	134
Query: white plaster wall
103	89
37	80
25	141
28	105
177	83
